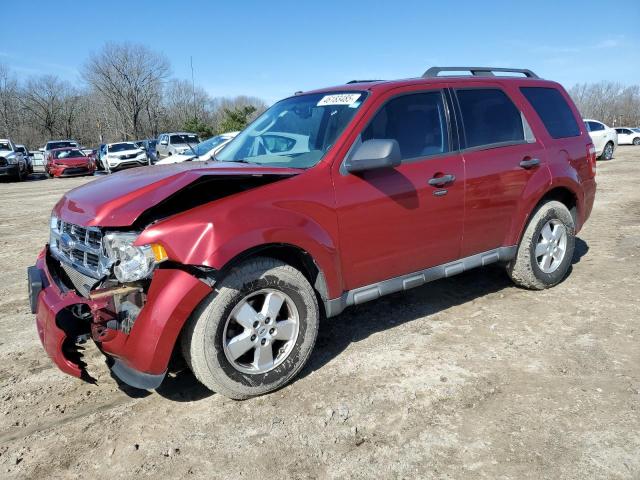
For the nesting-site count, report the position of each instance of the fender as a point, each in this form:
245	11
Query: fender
212	235
535	189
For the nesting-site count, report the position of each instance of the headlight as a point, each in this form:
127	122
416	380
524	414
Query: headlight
11	159
131	262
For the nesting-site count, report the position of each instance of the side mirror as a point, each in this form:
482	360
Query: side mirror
163	142
374	154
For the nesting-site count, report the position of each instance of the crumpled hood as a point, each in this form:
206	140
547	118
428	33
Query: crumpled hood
117	200
4	153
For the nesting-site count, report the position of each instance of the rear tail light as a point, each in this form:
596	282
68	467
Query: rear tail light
591	158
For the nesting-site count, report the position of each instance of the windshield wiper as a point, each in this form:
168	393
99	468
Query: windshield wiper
189	145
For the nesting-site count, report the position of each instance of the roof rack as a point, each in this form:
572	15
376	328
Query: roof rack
478	71
362	81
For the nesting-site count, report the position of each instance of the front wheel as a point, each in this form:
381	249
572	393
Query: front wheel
255	332
636	141
546	248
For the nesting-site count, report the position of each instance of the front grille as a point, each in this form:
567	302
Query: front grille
75	171
128	156
79	250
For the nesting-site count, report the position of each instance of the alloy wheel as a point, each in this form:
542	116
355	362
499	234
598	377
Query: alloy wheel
551	246
261	331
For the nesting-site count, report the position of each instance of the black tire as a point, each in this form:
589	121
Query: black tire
202	338
636	141
524	269
607	151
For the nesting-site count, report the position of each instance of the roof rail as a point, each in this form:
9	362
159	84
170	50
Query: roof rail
478	71
362	81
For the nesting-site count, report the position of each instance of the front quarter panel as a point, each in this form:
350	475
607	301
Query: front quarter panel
297	211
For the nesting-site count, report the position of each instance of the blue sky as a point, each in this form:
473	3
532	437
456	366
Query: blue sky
271	49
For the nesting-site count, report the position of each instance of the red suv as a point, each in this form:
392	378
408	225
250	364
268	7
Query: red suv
331	198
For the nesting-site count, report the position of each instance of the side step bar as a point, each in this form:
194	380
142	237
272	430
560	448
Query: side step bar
367	293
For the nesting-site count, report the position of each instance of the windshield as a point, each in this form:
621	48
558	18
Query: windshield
4	146
187	138
636	129
121	147
296	132
71	153
205	147
54	145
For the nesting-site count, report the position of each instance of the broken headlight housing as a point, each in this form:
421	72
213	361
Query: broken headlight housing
132	262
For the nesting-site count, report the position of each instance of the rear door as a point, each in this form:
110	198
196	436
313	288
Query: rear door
598	134
500	155
393	221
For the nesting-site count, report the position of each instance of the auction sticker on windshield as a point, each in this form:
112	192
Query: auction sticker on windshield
339	99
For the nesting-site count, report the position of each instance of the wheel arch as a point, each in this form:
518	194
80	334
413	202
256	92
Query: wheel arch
562	193
290	254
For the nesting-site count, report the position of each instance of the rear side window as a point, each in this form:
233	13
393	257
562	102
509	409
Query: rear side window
417	121
553	110
489	117
594	126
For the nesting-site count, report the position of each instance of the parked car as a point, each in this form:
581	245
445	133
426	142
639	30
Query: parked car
27	156
203	151
175	143
12	161
399	183
55	144
604	138
628	136
69	162
123	155
149	146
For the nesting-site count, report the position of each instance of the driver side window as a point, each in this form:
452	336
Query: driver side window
416	121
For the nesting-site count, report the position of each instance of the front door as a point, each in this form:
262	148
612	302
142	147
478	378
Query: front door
395	221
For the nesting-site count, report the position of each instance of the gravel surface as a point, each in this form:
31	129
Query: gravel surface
468	377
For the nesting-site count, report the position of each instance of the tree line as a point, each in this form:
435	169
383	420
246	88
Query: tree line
615	104
126	93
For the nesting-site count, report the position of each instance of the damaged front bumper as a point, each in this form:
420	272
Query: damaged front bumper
138	352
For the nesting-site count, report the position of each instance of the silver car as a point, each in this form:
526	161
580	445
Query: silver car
175	143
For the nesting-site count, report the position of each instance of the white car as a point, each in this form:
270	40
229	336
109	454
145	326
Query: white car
604	138
175	143
53	144
628	136
12	162
123	155
203	151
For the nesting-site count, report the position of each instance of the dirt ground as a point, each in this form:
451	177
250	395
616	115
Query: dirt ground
467	377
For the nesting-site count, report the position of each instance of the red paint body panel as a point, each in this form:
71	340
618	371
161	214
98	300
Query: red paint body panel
50	302
118	200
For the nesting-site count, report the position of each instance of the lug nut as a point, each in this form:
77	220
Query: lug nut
271	331
253	337
255	324
263	341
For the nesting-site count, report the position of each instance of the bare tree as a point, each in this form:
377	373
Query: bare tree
609	102
129	77
43	98
9	116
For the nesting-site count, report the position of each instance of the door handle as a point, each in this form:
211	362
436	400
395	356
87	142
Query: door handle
443	180
530	163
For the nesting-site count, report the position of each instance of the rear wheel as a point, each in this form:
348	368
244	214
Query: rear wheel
607	153
255	332
546	248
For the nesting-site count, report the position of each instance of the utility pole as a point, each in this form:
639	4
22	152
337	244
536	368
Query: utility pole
193	90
